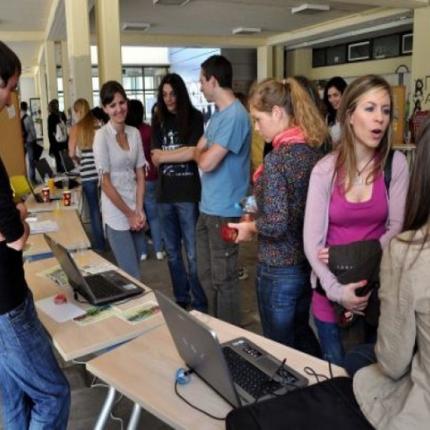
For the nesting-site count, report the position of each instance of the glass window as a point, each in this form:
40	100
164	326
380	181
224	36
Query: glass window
386	46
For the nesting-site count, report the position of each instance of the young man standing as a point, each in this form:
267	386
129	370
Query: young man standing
30	140
34	391
222	155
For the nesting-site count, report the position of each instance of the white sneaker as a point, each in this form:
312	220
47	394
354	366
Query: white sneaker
159	255
143	257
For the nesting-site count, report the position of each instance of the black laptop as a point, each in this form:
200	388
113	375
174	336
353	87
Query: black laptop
100	289
240	371
44	170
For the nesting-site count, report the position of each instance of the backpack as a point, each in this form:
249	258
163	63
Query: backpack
61	132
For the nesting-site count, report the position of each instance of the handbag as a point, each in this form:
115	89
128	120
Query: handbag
355	262
61	132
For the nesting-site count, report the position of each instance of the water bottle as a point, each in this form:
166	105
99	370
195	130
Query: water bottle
248	205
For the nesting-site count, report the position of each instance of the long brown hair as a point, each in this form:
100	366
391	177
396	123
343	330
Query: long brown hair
291	96
417	211
86	124
346	163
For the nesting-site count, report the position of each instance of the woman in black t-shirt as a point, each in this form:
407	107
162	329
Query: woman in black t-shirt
176	128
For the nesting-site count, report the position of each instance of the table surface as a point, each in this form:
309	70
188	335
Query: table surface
144	371
70	234
71	339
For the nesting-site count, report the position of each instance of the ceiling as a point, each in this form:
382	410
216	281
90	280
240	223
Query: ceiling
25	24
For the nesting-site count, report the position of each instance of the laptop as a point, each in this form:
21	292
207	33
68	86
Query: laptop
100	289
68	163
238	370
44	170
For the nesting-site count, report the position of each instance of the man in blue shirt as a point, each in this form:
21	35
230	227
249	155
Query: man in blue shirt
222	155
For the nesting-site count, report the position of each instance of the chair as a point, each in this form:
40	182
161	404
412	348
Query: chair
20	187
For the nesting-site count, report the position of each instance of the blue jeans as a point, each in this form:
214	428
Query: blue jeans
331	342
153	215
90	189
35	394
179	225
284	296
218	268
360	356
127	247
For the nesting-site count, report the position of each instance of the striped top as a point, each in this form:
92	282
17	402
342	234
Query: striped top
87	167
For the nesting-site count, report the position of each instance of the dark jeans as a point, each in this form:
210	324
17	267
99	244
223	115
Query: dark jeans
330	338
284	297
179	226
34	392
217	263
90	189
358	357
153	214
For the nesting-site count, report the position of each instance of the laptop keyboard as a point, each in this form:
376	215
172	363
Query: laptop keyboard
101	287
247	376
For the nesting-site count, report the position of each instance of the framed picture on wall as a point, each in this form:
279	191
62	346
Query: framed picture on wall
36	114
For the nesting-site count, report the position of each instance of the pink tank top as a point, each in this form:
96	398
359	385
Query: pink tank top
350	222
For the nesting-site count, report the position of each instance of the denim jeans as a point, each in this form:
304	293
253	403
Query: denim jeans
90	189
331	342
217	263
34	392
127	247
284	297
153	214
360	356
179	226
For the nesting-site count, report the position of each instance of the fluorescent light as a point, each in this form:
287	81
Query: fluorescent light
246	30
135	26
310	9
170	2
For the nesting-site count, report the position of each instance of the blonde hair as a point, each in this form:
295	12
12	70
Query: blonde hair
346	164
291	96
86	124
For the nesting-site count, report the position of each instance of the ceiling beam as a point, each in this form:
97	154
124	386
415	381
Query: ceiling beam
365	18
21	36
390	3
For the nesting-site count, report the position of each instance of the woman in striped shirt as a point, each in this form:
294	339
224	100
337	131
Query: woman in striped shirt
81	149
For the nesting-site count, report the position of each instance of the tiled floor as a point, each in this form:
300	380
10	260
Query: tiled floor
87	401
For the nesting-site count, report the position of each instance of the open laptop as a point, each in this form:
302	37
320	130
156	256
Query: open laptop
240	371
68	163
100	289
44	170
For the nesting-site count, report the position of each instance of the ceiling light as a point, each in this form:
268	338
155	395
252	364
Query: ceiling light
310	9
246	30
170	2
136	26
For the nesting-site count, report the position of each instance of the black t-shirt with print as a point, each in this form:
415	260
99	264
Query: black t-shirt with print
177	182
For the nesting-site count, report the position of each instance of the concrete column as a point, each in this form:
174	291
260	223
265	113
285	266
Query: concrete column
279	62
108	40
420	84
51	70
43	94
264	62
66	75
78	45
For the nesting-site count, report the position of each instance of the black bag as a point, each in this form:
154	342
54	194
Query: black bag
328	405
357	261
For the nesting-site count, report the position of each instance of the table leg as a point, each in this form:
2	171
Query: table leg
106	409
134	417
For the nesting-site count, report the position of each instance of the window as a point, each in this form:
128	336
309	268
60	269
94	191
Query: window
335	55
359	51
407	43
318	57
386	46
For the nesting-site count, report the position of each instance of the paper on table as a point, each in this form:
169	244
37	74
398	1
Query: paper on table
59	313
43	226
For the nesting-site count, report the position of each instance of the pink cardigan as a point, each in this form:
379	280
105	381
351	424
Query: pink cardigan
316	216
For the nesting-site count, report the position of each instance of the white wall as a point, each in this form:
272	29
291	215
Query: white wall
27	89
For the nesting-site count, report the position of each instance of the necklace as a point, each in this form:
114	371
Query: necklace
360	180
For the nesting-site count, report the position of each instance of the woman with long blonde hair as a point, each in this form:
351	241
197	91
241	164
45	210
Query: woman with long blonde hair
285	115
349	200
81	150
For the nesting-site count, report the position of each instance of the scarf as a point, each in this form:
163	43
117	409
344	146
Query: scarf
287	137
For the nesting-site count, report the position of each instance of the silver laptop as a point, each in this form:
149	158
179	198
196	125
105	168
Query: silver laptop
100	289
240	371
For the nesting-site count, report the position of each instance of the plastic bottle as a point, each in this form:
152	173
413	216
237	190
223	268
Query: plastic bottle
249	208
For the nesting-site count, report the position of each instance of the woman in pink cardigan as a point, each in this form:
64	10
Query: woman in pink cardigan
348	201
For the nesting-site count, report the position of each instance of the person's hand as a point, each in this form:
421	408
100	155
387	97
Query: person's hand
323	254
156	157
245	230
350	301
23	212
142	217
135	221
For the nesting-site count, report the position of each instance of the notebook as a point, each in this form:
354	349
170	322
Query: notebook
100	289
240	371
44	170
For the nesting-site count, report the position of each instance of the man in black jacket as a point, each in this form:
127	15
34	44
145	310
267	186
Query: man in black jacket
34	391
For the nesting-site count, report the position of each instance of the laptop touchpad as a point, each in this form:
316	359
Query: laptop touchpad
268	364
